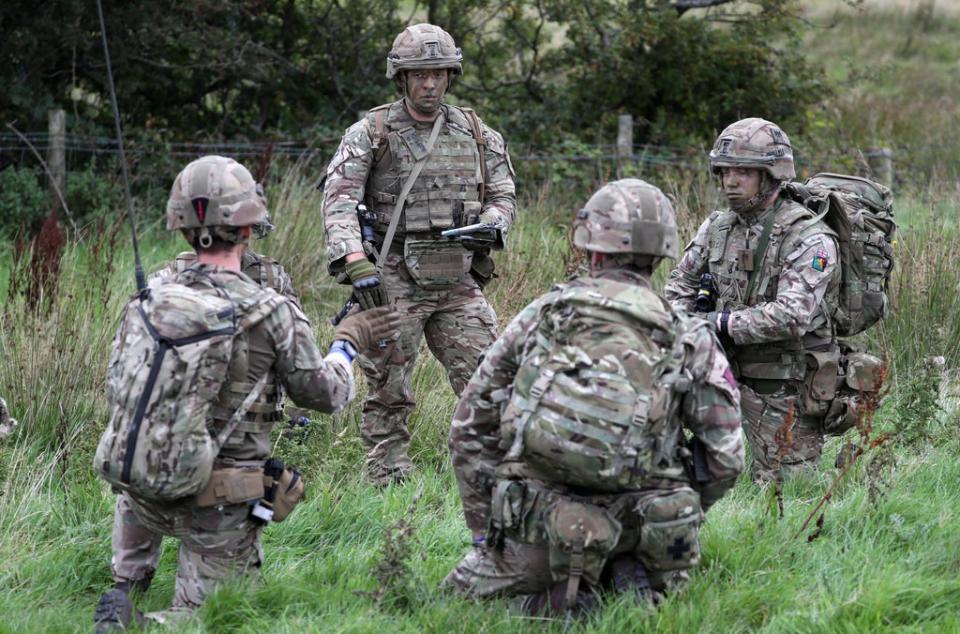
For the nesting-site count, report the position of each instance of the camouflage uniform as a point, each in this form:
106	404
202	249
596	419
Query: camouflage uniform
658	511
212	198
780	336
136	548
466	178
262	269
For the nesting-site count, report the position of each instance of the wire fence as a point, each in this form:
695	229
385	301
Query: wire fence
911	162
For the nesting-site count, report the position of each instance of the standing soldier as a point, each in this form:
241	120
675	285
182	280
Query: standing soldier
568	443
775	268
214	204
418	166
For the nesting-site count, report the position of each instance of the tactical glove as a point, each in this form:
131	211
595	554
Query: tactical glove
365	330
367	288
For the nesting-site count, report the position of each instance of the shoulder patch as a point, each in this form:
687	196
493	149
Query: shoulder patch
820	260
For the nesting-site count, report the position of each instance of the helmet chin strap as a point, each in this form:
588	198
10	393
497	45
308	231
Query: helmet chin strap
768	185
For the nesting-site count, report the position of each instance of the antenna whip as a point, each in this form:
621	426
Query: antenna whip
141	280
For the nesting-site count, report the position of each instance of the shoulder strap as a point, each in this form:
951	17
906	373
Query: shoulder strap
405	191
379	134
476	129
264	303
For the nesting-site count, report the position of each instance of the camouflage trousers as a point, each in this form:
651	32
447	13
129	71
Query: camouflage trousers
658	528
458	324
764	418
216	543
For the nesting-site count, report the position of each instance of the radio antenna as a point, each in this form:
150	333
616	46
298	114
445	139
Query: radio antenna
141	280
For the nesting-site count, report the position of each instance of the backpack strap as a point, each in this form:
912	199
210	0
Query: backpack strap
476	129
378	137
253	310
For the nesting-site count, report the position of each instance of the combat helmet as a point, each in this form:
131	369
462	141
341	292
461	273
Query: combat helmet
756	143
423	46
628	216
215	196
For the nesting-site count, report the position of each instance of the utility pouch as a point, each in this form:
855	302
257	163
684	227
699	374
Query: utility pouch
820	383
282	490
581	537
861	373
231	485
511	513
670	533
483	268
436	264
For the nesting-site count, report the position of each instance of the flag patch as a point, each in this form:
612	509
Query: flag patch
820	260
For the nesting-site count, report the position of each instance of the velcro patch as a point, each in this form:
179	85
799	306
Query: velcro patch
820	260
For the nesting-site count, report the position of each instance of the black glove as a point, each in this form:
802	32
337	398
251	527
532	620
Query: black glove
367	288
366	329
718	321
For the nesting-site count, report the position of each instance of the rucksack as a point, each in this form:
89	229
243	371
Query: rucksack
592	403
169	362
860	211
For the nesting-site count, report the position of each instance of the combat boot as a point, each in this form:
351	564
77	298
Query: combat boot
629	576
552	603
115	612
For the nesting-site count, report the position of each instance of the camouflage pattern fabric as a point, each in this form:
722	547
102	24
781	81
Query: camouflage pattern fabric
781	329
354	177
370	167
519	498
458	324
219	542
262	269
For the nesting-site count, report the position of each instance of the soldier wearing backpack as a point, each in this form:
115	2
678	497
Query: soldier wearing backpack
569	442
775	266
136	548
197	364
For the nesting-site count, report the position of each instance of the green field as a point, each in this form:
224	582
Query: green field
887	559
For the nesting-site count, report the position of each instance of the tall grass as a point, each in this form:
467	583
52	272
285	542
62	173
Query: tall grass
878	565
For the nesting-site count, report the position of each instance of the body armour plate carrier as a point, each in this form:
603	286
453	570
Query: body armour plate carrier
448	190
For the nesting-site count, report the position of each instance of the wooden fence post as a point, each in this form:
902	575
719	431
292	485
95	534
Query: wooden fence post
57	157
880	162
624	142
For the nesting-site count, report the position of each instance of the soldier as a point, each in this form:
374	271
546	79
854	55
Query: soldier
775	267
136	548
214	204
419	166
568	443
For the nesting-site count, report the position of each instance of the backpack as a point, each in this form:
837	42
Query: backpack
591	403
860	211
170	359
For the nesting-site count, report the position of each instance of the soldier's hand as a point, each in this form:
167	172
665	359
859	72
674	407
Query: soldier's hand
367	287
368	330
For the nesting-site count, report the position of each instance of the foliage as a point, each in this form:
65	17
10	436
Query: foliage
23	201
541	69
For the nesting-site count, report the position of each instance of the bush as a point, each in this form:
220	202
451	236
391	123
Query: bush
23	201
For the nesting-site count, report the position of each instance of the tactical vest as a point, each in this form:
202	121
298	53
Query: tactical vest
450	186
731	262
261	269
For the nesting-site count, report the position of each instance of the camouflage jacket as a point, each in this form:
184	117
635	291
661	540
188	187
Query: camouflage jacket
263	270
710	409
283	347
377	153
796	286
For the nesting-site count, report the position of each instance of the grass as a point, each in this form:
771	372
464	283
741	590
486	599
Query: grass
887	559
888	563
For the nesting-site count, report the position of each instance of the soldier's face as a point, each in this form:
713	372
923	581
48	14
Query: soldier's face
425	89
740	184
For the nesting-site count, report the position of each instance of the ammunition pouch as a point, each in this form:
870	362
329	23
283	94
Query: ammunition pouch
820	383
514	512
581	537
436	264
232	485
